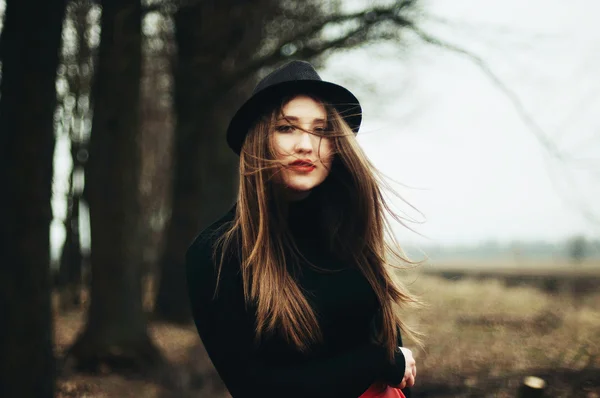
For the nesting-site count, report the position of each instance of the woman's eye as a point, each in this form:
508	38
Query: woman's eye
284	128
320	129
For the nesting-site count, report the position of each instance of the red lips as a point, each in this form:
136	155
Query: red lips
302	162
302	165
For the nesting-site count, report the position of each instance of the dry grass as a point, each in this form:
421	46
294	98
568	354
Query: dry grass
480	330
181	346
481	339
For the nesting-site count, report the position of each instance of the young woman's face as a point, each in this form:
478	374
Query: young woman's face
306	158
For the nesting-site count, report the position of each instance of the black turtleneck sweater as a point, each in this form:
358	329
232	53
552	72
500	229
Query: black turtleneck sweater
344	365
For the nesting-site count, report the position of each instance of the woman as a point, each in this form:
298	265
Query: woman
290	291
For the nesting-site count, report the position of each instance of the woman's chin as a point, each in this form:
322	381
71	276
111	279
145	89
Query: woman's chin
301	187
302	184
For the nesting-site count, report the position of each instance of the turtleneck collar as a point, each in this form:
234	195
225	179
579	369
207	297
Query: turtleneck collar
304	216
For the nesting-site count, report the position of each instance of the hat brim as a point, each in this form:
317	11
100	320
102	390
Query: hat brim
337	96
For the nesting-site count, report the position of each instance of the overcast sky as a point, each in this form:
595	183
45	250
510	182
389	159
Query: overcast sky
435	122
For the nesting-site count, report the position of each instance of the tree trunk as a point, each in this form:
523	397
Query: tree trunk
156	146
71	260
30	46
69	273
116	334
204	168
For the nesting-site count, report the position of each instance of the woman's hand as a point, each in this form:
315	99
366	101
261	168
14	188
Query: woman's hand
410	373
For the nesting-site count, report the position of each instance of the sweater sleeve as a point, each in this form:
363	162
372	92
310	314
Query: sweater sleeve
401	364
227	334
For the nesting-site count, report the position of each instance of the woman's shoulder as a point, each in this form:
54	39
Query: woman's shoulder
204	271
203	243
200	256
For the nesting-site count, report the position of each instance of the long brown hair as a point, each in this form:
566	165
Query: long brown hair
260	235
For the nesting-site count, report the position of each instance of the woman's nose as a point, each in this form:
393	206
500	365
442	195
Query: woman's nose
304	143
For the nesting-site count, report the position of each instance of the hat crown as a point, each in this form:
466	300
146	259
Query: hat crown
294	70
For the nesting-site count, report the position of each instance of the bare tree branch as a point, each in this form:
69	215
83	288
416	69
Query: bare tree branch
370	16
524	115
367	19
584	209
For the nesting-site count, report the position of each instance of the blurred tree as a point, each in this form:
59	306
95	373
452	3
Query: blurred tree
30	43
156	141
74	77
578	248
115	333
210	37
222	48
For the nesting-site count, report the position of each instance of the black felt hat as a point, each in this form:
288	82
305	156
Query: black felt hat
295	77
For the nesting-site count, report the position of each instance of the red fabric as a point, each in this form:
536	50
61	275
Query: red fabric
382	390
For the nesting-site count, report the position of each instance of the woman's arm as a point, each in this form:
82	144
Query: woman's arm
401	360
227	334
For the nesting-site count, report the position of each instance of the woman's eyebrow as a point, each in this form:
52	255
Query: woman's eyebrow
295	119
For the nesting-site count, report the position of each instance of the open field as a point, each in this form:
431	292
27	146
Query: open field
510	264
552	276
481	339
